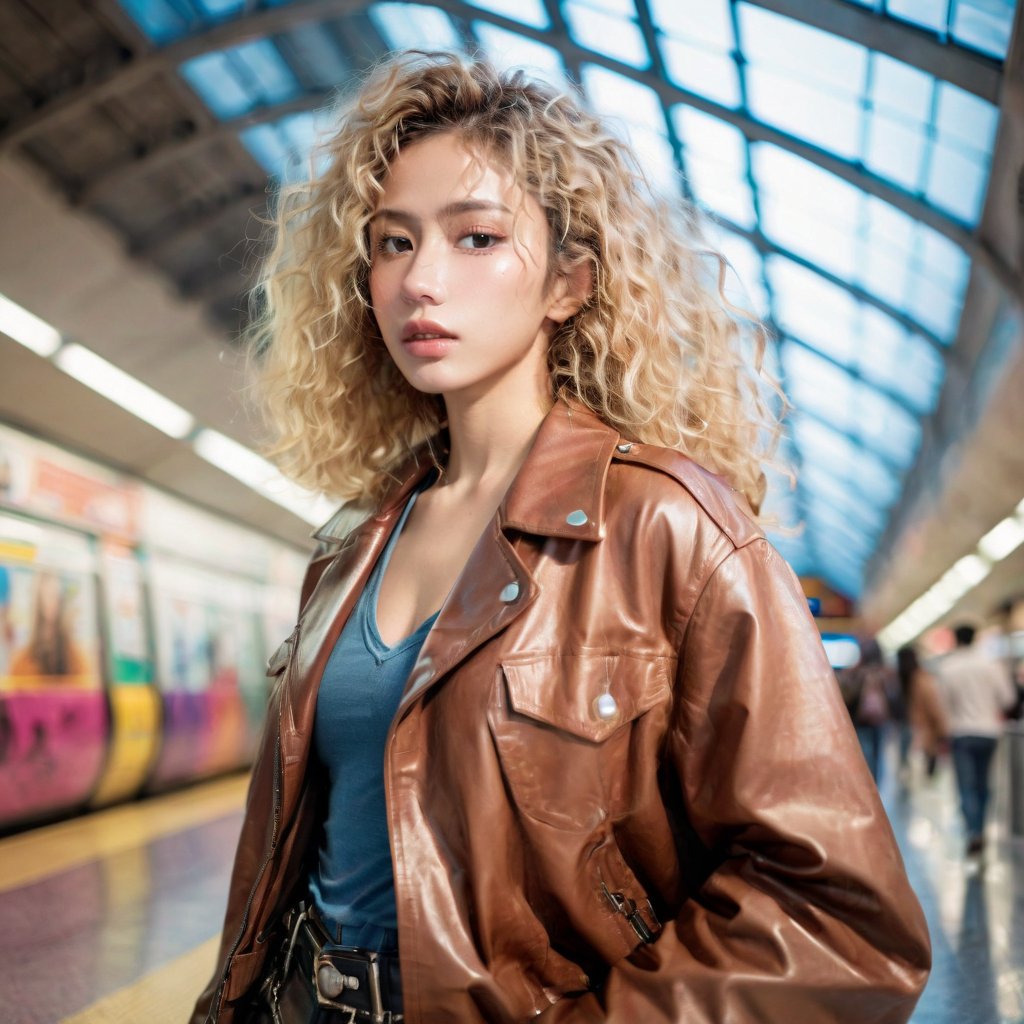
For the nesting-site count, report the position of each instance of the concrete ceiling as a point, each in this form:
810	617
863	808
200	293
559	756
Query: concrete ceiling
71	270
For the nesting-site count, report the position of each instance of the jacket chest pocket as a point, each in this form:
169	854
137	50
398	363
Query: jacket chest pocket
563	727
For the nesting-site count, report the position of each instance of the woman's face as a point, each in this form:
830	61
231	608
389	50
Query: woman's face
460	302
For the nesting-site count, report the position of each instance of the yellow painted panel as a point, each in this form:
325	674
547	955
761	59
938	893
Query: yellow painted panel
165	996
136	718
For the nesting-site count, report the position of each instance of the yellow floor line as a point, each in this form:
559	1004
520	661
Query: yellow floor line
32	855
166	996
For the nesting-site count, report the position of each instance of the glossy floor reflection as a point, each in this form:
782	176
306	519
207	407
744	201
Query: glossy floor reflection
113	918
974	906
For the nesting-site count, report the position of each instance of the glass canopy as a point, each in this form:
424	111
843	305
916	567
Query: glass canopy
842	183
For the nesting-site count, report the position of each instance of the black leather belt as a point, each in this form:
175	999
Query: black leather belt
362	986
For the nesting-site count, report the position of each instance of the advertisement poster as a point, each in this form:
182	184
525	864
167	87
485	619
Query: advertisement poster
53	717
204	645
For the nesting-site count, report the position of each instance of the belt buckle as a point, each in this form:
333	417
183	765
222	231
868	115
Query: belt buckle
325	959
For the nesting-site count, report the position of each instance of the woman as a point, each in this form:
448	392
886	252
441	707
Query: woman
925	713
555	736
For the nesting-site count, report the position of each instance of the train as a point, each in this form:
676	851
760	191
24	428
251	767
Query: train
134	632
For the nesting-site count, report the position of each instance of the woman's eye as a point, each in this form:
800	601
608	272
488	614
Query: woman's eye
477	240
391	245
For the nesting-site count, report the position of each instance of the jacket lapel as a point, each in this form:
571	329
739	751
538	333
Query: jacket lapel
558	492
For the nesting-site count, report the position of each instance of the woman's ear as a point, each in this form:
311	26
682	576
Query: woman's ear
571	290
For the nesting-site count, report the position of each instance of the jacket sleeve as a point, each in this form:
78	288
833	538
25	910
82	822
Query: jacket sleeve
806	913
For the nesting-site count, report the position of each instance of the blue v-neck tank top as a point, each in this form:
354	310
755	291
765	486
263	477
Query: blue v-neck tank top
352	881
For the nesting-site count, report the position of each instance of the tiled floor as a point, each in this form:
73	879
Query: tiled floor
975	909
111	919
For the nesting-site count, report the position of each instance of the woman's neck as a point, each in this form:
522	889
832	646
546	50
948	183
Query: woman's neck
489	438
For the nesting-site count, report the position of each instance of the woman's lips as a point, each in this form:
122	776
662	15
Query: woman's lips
425	339
425	347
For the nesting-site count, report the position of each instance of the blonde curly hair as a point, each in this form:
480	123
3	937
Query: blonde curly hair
656	351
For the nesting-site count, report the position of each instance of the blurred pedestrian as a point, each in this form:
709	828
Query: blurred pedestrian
976	693
869	694
925	715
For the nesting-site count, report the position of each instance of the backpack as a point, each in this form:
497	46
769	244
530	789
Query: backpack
873	702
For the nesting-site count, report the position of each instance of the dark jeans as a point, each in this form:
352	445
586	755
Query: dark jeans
872	742
972	761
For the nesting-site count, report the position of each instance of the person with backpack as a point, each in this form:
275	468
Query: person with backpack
870	697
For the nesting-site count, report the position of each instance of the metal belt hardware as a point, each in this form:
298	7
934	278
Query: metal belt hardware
627	907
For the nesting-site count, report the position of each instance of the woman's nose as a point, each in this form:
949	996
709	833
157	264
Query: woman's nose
425	277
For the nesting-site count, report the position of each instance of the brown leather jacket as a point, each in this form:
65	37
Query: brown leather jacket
623	703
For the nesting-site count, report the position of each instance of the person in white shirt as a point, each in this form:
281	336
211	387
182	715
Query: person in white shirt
976	692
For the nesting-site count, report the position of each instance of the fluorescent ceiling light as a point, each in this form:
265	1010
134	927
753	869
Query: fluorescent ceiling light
1002	539
27	329
971	569
263	477
124	390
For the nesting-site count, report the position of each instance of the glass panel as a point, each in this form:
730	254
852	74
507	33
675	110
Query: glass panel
895	150
826	521
984	25
635	113
620	8
264	71
214	78
705	21
814	310
820	481
529	12
410	26
856	409
715	155
865	470
901	89
903	363
702	71
801	51
508	50
805	110
808	210
159	19
623	99
965	120
956	183
266	146
618	37
927	13
219	8
744	280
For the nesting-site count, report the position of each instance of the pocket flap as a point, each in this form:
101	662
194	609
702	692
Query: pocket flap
587	695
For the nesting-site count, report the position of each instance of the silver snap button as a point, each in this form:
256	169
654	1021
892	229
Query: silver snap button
577	518
509	592
624	448
607	706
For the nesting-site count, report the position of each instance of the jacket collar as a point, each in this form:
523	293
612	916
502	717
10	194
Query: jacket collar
558	491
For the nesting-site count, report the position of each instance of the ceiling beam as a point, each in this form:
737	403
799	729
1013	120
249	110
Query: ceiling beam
178	230
976	73
170	150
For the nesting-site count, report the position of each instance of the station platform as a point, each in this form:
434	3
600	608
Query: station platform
113	918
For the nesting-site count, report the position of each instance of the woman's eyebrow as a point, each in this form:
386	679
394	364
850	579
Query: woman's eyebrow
451	210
